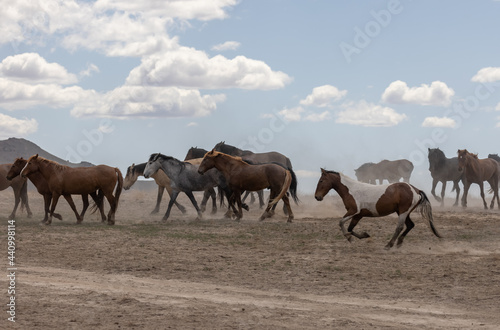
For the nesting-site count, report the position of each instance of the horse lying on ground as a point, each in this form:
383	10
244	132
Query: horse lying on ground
64	180
366	200
242	176
20	187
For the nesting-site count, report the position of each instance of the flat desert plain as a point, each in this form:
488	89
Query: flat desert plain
217	273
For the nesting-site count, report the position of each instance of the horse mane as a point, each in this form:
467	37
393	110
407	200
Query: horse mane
137	168
154	157
52	163
332	172
237	158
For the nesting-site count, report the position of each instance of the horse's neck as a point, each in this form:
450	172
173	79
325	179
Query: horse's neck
171	168
139	168
226	164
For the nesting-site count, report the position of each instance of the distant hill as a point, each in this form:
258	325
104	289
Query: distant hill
13	148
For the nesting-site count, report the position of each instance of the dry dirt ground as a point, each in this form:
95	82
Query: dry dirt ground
216	273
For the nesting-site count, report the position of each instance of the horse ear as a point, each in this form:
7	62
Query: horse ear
36	156
132	166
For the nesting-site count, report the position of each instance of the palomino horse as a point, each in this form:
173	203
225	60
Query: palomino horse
64	180
366	200
20	187
242	176
444	169
390	170
43	189
163	182
184	177
476	171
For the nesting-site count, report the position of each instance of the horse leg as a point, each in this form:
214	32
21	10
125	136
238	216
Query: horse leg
173	197
352	224
494	186
267	212
24	199
112	204
399	228
73	207
237	198
342	226
481	187
466	192
286	201
213	194
159	197
260	194
195	204
85	200
443	190
17	198
409	226
55	199
457	189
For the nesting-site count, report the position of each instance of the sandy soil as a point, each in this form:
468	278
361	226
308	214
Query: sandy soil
220	274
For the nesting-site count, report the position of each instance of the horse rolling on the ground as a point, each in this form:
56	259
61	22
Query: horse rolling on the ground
242	176
42	187
444	169
185	178
366	200
20	187
64	180
477	171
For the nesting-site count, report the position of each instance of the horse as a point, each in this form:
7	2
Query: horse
195	152
259	158
20	187
163	182
476	171
366	200
390	170
64	180
184	177
242	176
495	157
43	189
444	169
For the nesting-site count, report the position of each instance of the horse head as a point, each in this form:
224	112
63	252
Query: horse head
31	166
16	168
464	158
325	183
208	161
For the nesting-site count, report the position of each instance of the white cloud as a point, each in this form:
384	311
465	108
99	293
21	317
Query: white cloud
323	96
156	102
293	114
13	127
438	122
437	93
18	95
325	115
368	114
300	114
89	70
497	108
192	68
228	45
32	68
488	74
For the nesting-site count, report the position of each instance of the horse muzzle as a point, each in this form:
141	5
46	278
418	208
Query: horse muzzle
318	198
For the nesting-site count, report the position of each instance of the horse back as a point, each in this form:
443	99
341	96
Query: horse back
79	180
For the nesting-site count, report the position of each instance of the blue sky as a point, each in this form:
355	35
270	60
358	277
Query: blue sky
328	83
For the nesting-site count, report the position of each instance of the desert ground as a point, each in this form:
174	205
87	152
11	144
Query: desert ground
217	273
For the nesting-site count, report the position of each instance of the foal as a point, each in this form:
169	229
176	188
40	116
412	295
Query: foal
365	200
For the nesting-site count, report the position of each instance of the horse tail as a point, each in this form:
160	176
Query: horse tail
426	211
97	202
284	188
293	187
119	186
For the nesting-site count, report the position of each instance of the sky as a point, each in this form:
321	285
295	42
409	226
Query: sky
330	84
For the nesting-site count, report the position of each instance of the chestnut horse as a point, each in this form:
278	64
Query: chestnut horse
242	176
366	200
476	171
43	189
20	187
64	180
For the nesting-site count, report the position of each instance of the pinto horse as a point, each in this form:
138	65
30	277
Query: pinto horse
477	171
64	180
20	187
242	176
366	200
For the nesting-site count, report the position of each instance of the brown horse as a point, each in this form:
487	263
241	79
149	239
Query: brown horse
64	180
43	188
477	171
20	187
366	200
242	176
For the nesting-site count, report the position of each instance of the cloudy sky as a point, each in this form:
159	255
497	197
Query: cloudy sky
328	83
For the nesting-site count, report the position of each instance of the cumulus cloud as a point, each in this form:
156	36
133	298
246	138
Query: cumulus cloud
33	68
300	114
156	102
323	96
192	68
439	122
363	113
488	74
437	93
292	114
10	126
89	70
228	45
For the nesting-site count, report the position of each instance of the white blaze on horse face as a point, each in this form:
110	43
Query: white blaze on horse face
22	174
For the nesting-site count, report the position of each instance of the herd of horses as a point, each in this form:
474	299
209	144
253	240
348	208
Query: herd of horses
233	172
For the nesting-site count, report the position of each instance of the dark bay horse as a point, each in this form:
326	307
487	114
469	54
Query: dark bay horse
185	178
242	176
64	180
43	189
390	170
195	152
444	169
477	171
20	187
366	200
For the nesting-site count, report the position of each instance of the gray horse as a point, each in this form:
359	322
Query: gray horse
184	177
444	169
